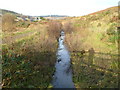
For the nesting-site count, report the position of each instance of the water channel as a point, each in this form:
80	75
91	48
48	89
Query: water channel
63	75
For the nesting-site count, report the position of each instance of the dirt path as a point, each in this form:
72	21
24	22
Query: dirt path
10	39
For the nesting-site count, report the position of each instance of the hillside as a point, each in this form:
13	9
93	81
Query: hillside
102	23
3	11
95	33
111	9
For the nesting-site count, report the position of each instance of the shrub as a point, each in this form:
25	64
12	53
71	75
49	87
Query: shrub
8	23
54	28
68	27
73	42
24	24
111	30
112	33
107	12
99	24
42	18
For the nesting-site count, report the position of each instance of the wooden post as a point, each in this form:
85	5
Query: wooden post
91	55
118	28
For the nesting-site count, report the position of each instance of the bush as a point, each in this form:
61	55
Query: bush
99	24
54	29
42	18
73	42
68	27
113	36
8	23
24	24
111	30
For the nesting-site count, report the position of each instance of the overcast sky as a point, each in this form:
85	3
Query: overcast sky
56	7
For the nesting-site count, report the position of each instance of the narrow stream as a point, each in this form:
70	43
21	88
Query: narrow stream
63	75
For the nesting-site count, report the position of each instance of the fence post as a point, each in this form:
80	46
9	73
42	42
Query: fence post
91	56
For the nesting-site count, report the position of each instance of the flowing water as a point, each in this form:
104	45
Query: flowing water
63	74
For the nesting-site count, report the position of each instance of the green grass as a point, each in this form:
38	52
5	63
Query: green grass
26	39
27	70
99	34
16	33
26	65
90	76
26	31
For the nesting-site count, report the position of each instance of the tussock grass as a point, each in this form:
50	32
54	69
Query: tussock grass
29	61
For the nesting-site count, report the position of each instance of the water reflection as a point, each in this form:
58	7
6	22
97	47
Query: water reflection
63	75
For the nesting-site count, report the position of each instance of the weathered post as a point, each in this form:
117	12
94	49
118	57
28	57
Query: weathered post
91	55
118	30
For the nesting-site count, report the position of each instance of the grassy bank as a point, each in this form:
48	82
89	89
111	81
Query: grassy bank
97	32
101	73
29	62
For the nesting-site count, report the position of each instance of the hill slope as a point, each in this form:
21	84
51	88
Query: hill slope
3	11
96	30
94	39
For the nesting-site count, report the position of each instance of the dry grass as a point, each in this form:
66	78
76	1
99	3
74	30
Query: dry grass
54	28
68	27
8	23
29	61
76	39
73	42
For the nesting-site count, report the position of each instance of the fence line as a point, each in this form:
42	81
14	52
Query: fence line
104	61
96	52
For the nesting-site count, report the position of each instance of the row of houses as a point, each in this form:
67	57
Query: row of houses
27	18
38	18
